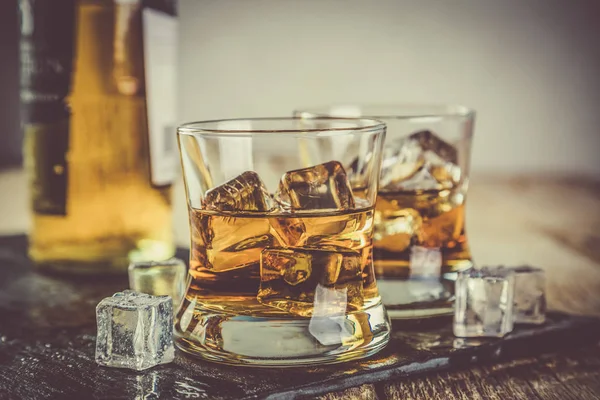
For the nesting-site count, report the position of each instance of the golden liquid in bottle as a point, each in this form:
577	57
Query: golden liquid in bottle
113	212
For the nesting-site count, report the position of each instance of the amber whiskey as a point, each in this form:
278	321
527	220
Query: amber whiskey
258	274
419	245
429	219
261	264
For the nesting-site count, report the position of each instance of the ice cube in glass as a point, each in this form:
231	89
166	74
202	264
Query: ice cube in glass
430	142
328	321
421	161
289	277
323	186
224	243
246	192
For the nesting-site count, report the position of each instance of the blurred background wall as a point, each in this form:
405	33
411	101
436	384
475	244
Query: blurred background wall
530	68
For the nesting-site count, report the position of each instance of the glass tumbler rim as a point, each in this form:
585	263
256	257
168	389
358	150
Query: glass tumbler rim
210	128
385	111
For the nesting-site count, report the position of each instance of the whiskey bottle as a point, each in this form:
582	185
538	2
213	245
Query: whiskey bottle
98	109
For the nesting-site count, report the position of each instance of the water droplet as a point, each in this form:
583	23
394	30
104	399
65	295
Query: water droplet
69	365
47	345
2	338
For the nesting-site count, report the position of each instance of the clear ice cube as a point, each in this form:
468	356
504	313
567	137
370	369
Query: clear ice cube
323	186
484	302
421	161
159	278
290	231
328	321
428	141
289	277
425	263
247	192
422	180
317	231
530	296
223	243
396	230
135	330
401	160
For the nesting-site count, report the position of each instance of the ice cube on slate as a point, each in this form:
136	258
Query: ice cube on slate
420	161
289	277
244	193
530	296
484	302
135	330
159	278
323	186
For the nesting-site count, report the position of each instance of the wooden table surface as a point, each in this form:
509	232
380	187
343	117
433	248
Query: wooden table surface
553	223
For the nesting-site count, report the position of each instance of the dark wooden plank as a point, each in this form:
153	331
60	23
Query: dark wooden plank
363	392
579	372
566	375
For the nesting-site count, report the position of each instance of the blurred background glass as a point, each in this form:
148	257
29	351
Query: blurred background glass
420	240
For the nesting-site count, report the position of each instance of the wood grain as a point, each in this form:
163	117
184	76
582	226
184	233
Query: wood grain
551	224
573	375
365	392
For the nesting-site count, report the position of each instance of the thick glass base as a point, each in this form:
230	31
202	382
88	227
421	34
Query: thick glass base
281	341
408	298
416	299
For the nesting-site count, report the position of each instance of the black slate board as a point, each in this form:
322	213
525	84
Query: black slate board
47	341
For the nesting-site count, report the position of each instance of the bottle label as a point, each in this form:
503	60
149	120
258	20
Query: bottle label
160	65
46	59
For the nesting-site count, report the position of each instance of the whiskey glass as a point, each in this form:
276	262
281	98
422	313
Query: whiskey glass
419	241
281	215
